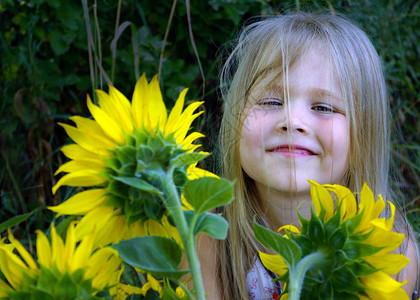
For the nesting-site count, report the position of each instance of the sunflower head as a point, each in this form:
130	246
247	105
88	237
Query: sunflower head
123	154
63	270
343	250
135	172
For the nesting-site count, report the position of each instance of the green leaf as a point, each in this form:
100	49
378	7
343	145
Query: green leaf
212	224
18	295
286	248
15	221
156	255
354	222
61	227
126	154
46	280
65	288
38	294
139	184
338	238
187	159
356	250
207	193
316	229
344	280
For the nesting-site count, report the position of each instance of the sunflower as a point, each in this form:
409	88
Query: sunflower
123	154
345	248
63	269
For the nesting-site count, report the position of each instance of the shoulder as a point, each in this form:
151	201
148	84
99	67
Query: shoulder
411	270
207	255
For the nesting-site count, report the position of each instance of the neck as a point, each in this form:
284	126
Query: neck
280	207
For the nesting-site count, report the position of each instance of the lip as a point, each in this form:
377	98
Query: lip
292	150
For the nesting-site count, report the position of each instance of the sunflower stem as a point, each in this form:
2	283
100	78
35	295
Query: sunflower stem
173	204
297	276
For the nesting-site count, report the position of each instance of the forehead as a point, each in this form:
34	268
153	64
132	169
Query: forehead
314	69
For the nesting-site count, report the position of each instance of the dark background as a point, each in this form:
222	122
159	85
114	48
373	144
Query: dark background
45	74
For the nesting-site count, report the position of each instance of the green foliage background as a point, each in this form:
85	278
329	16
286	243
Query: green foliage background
45	76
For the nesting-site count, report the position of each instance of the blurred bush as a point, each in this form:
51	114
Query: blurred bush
46	72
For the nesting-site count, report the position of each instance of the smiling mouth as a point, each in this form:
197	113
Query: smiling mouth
292	151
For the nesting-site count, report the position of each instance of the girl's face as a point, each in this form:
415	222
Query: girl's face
285	143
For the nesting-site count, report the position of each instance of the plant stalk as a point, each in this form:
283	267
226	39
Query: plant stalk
297	276
173	204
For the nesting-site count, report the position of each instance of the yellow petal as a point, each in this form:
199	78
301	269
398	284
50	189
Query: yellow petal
58	252
4	287
386	239
93	143
12	267
180	292
43	249
100	218
115	279
175	113
157	113
117	106
183	125
80	178
274	263
399	294
369	208
381	282
81	203
139	104
186	143
321	198
129	289
291	228
83	252
105	273
94	133
76	165
390	263
346	197
96	261
155	284
390	222
69	247
194	173
185	204
27	257
112	232
74	151
136	229
284	297
110	127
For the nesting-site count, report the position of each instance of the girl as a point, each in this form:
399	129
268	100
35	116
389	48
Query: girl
306	99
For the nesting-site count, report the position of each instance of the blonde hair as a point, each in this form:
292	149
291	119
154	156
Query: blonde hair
277	43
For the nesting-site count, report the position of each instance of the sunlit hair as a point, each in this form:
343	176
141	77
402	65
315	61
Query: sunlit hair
266	50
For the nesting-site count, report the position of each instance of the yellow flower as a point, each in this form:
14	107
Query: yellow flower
122	153
355	243
61	267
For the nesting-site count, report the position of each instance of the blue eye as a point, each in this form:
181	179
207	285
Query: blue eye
324	108
271	102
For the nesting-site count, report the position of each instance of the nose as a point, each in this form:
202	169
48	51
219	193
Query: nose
293	121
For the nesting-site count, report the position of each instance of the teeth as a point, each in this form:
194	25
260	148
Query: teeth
296	151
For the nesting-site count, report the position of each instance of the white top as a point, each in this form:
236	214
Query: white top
259	283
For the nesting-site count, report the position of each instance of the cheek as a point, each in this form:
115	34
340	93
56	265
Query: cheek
341	147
